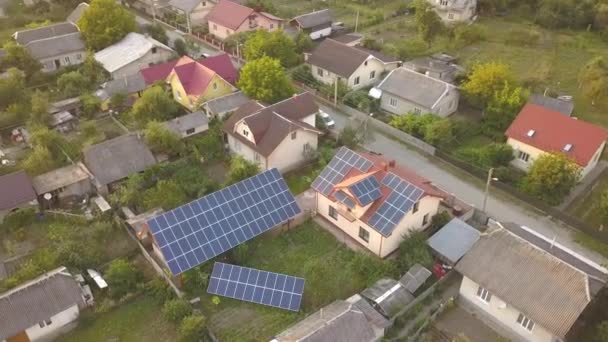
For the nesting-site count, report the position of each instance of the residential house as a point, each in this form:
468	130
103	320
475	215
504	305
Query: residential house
114	160
316	24
223	105
527	286
355	66
41	309
189	124
280	136
77	13
438	66
373	200
228	18
195	11
563	105
17	193
454	11
133	53
65	185
406	91
352	320
54	46
132	86
387	296
221	64
537	130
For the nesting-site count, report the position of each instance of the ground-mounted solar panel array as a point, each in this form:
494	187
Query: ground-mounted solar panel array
256	286
399	202
366	190
338	167
204	228
343	198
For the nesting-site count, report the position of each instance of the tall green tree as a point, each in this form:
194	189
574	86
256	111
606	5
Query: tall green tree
72	83
503	107
162	140
264	79
17	56
12	89
275	44
593	78
428	23
105	23
551	177
39	161
485	80
155	104
39	113
166	194
157	31
93	71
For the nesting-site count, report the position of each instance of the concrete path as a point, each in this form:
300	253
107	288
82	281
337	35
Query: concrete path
501	206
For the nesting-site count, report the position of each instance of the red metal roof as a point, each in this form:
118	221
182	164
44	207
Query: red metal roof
229	14
221	64
554	130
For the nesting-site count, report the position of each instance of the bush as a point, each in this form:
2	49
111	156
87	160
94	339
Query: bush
358	99
523	37
492	155
438	132
414	250
196	279
412	48
122	278
160	290
176	310
20	218
440	220
180	47
468	34
193	329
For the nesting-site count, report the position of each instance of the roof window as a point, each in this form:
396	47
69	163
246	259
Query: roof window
531	133
568	147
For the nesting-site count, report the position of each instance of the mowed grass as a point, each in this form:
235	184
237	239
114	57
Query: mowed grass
299	181
331	271
138	320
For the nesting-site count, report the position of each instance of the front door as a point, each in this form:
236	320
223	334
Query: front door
57	64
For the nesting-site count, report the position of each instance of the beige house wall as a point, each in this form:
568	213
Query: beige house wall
364	72
446	105
502	312
290	152
455	15
72	58
238	147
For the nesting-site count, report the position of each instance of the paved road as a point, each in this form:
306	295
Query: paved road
500	206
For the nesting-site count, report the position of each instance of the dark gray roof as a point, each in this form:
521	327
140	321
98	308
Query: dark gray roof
315	19
562	106
37	300
349	38
116	159
431	64
125	85
17	189
77	13
388	295
227	103
414	278
454	240
183	123
185	5
59	178
415	87
373	316
26	36
55	46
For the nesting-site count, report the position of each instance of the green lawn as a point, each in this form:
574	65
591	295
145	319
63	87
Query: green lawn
331	271
587	207
300	180
139	320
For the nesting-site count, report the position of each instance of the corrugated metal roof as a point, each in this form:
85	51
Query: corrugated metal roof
131	48
389	295
454	240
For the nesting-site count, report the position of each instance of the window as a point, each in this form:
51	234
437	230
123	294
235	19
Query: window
392	102
333	213
525	322
306	148
67	59
372	75
484	294
45	323
417	110
271	26
245	132
256	157
214	86
178	94
320	72
523	156
78	56
425	219
450	15
293	135
356	80
190	131
444	2
365	63
154	50
214	27
363	234
415	207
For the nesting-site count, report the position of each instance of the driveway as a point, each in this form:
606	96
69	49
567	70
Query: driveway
500	206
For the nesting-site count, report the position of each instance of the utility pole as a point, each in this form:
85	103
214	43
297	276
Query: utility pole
357	21
488	182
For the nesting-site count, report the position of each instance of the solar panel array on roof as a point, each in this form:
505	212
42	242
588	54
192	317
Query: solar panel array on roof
261	287
204	228
338	167
400	201
343	198
366	190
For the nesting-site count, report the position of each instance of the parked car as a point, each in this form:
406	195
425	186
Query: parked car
329	122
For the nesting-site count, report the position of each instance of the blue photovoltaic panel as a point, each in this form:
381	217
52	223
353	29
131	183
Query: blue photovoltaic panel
366	190
343	198
261	287
211	225
400	201
338	167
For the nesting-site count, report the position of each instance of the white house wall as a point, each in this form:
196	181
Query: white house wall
446	106
74	58
320	33
238	147
59	321
503	313
311	120
145	61
363	72
290	152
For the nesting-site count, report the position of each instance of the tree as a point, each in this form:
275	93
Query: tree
122	278
39	161
438	132
12	89
263	5
162	140
303	42
154	104
551	177
157	32
72	83
105	23
275	44
176	310
485	80
193	329
428	23
39	114
414	250
503	107
166	194
180	47
241	169
93	71
593	78
264	79
17	56
91	105
50	139
118	101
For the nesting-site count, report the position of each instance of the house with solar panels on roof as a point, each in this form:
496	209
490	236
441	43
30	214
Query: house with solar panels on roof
374	200
281	136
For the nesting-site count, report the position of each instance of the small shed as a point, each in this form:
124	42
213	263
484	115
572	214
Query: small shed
189	124
63	121
72	105
453	241
415	277
388	296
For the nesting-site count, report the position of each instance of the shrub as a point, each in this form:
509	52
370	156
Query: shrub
160	290
358	99
438	132
492	155
193	329
440	220
122	278
468	34
412	250
176	310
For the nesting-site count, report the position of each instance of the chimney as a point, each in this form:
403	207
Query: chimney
384	166
392	163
